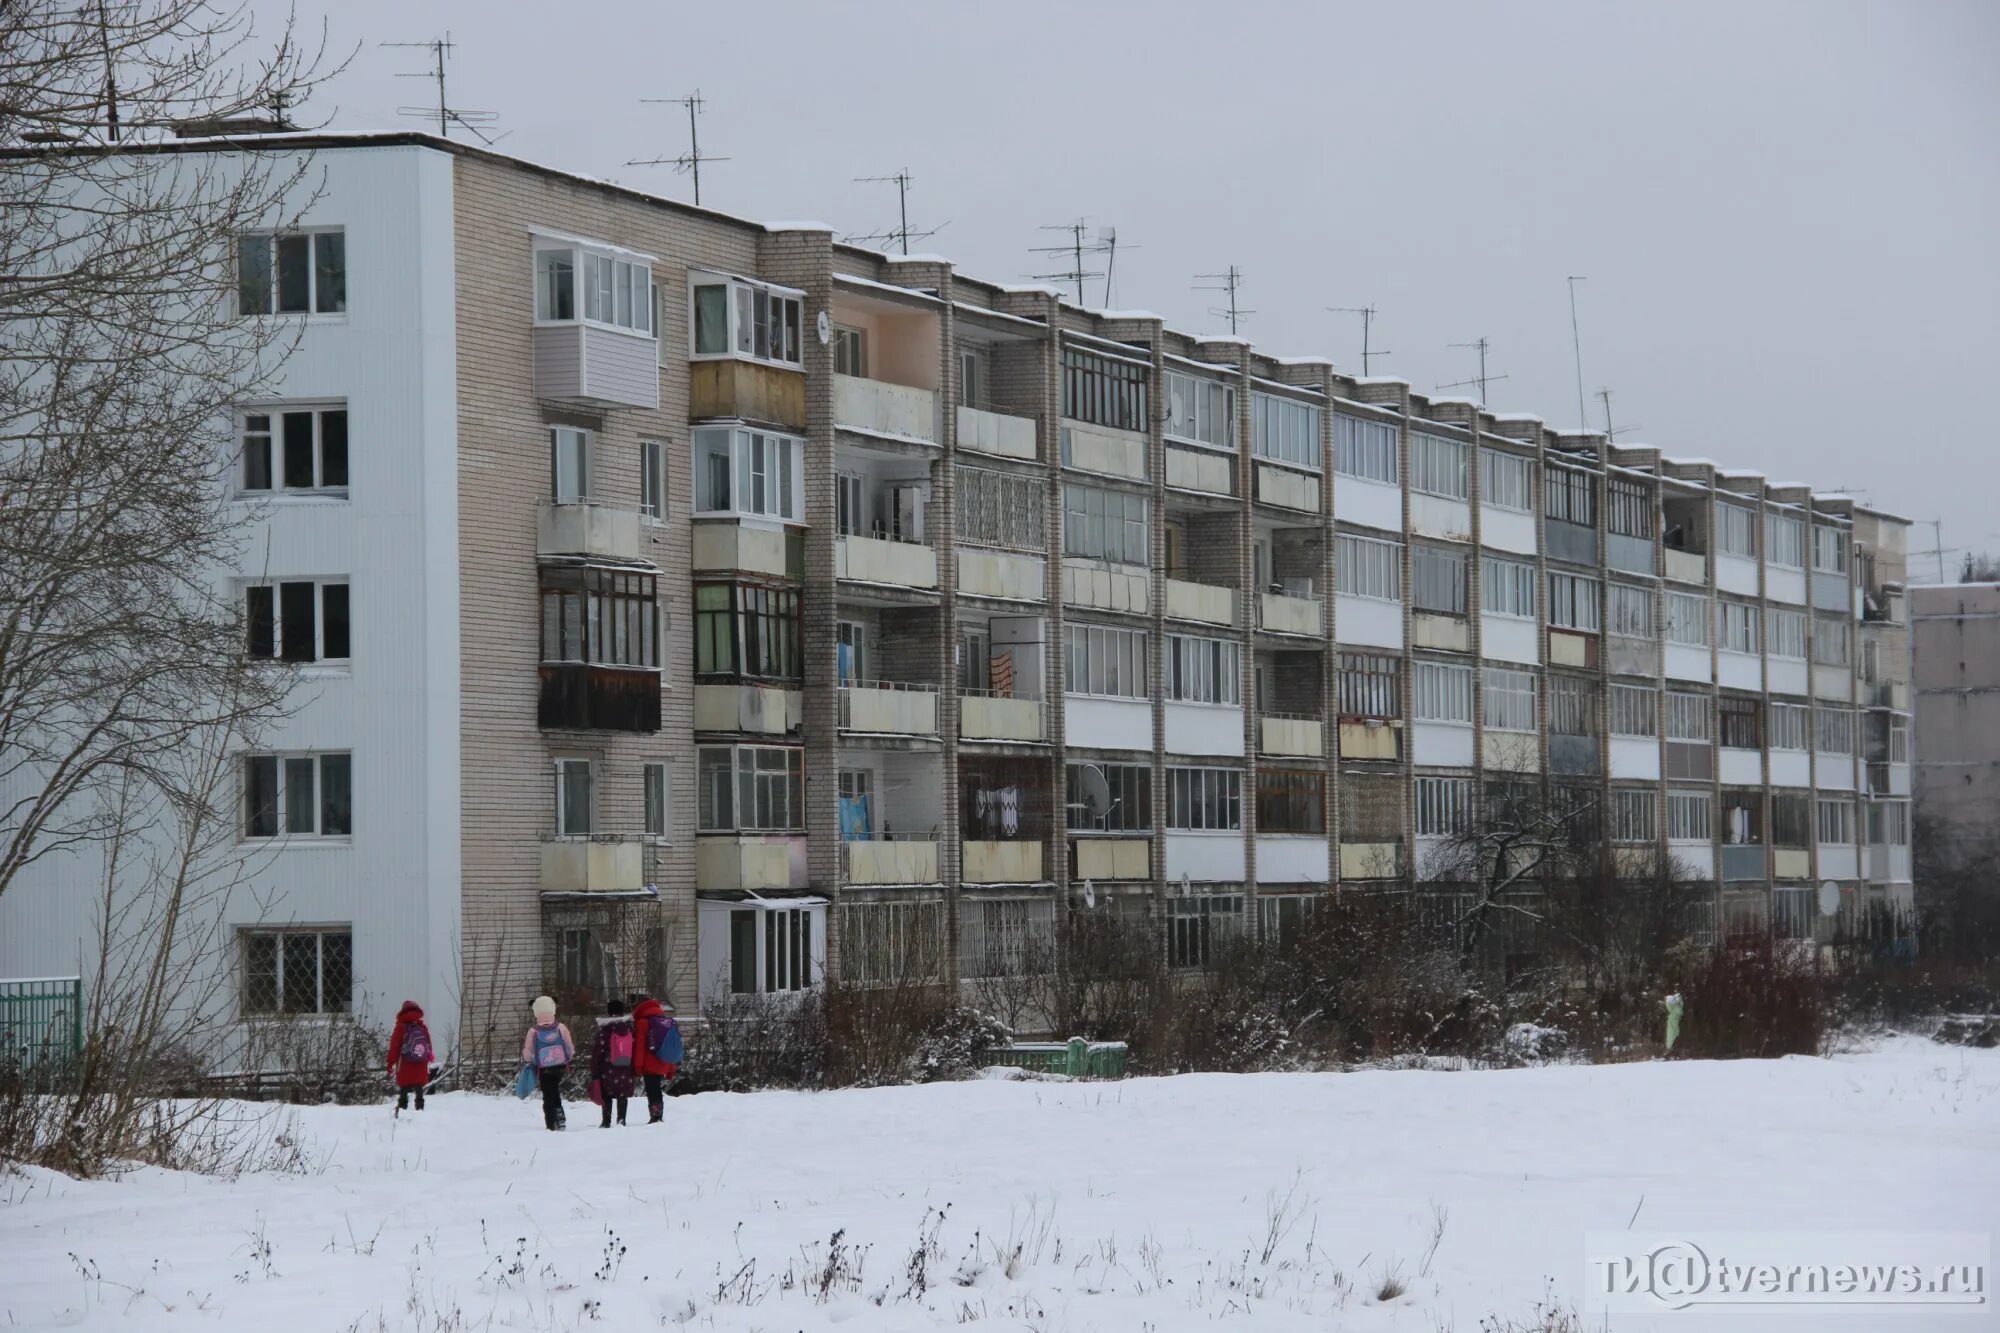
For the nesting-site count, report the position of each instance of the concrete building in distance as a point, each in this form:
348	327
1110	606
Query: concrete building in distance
1955	652
722	609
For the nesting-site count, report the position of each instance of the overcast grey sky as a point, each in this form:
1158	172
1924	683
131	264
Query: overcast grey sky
1786	212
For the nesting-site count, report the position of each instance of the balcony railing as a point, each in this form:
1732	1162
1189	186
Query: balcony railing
1282	613
1017	862
1285	734
588	528
985	716
583	696
875	861
885	560
993	432
1743	861
1687	566
889	707
590	865
1210	603
881	408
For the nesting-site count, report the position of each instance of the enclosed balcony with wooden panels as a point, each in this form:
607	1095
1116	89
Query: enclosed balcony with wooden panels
747	391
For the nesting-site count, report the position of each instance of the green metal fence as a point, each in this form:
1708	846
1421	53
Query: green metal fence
1075	1057
41	1021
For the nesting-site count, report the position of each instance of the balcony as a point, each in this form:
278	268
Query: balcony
1791	863
1111	858
1375	739
1205	602
1886	694
723	545
1634	555
1103	586
876	862
996	433
750	861
1686	566
582	696
608	532
1114	453
888	563
1281	613
1450	633
991	717
1574	756
577	362
1002	574
1300	737
1570	541
585	866
1287	489
747	391
1742	861
1371	860
1018	862
765	710
877	407
1200	470
889	708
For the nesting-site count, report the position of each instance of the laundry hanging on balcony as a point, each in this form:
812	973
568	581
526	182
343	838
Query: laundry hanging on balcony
997	811
855	823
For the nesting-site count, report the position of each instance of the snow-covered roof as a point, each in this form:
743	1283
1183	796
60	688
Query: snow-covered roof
1129	314
1456	402
910	293
1326	361
1383	379
797	226
925	258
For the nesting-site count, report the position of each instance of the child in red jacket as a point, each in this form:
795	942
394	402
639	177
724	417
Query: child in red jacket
657	1059
410	1055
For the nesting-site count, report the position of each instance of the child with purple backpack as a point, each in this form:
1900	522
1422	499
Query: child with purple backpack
612	1061
548	1050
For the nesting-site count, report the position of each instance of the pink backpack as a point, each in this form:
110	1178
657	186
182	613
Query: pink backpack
620	1048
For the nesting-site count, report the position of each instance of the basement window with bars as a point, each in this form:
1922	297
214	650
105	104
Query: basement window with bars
1510	700
1507	481
1204	800
1003	509
1365	449
1440	466
1439	578
754	788
1443	693
294	449
1368	686
292	273
297	972
1635	711
1104	390
1201	411
1507	587
1366	567
300	621
298	796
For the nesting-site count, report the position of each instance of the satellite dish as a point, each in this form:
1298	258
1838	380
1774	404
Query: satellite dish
1089	894
1829	898
824	327
1095	790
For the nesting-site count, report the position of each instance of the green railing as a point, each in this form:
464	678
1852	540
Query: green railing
41	1021
1076	1057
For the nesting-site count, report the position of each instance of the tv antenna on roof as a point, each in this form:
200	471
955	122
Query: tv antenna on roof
1482	379
1229	280
1576	344
1076	248
1367	313
447	115
691	160
901	231
1611	432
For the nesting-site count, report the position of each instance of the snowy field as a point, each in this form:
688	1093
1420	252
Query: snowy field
1268	1201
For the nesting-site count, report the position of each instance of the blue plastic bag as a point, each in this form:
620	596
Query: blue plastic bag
524	1082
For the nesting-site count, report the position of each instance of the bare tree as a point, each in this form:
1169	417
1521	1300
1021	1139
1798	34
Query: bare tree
125	355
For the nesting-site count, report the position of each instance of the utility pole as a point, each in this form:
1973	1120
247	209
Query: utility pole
691	160
900	233
1367	313
1228	281
1576	343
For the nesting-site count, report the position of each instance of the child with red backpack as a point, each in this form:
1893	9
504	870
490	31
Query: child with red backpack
660	1052
410	1055
613	1060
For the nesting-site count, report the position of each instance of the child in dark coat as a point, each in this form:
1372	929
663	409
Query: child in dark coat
410	1055
613	1060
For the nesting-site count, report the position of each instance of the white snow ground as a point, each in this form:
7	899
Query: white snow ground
1137	1205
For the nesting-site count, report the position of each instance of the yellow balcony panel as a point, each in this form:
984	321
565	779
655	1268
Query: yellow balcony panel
1371	860
1000	862
750	390
747	861
582	866
1113	858
876	862
1304	737
1365	740
762	709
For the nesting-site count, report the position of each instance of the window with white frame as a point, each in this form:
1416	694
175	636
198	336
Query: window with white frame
1285	430
1438	579
1364	448
1507	481
1833	730
1573	602
1510	699
597	285
1829	550
1889	823
298	621
1629	507
1201	410
750	787
1571	496
1507	587
293	449
734	317
1788	726
1689	716
1830	641
297	970
1634	815
756	473
1367	685
1004	509
1439	466
659	777
653	480
1690	815
1899	741
569	464
1203	670
1101	524
850	351
1201	926
1129	788
292	272
1444	806
295	796
1687	619
1786	632
1443	692
1365	567
1736	627
1784	539
1736	531
1106	660
772	949
1630	610
1836	821
1201	800
1572	706
1635	710
575	798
